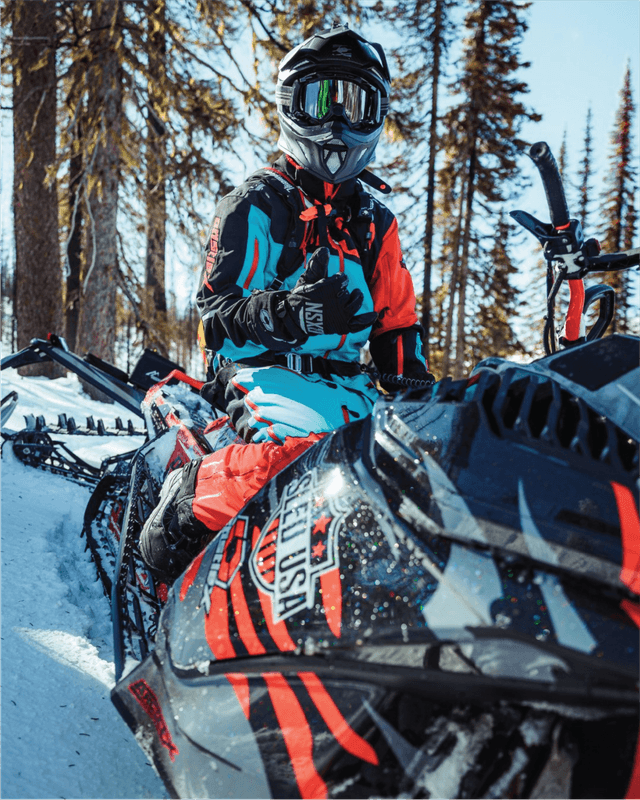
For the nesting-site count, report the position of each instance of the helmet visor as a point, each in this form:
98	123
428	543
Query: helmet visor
360	103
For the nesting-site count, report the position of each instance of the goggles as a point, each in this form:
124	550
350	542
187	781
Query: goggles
360	102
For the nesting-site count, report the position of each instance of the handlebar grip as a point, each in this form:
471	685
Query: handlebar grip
543	158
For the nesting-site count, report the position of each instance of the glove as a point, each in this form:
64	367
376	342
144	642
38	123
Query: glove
320	305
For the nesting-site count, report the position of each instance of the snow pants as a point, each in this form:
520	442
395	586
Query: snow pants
281	413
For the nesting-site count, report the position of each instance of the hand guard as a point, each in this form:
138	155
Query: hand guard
321	305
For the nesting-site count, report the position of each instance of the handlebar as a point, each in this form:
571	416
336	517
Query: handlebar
570	258
543	158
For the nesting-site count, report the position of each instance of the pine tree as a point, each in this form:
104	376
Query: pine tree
438	40
38	269
584	175
482	130
426	29
563	159
563	169
103	121
73	244
172	122
156	200
617	208
498	304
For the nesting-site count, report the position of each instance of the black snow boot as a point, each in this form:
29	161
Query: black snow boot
172	537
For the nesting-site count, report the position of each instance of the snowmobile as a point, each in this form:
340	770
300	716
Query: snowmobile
441	600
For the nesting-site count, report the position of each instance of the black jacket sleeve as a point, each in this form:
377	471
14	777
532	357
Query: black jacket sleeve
399	358
239	244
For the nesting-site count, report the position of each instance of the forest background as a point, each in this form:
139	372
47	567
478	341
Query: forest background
125	121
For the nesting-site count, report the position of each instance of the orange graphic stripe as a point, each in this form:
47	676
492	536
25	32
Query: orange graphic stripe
240	684
343	339
190	575
400	355
297	736
277	630
332	600
243	619
216	625
258	418
254	265
268	548
632	609
630	530
633	790
337	724
265	564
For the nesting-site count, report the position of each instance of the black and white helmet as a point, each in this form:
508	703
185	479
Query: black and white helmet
333	96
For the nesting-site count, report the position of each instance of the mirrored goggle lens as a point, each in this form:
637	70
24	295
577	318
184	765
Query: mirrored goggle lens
360	104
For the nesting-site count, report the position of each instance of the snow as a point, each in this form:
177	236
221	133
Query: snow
61	735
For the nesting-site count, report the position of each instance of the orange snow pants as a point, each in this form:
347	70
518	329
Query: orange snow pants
227	479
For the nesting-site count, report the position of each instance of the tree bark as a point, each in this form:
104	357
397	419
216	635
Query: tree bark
458	368
38	269
448	334
74	243
156	190
431	175
97	323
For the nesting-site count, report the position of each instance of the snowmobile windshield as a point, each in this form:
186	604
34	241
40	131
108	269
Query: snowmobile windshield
360	103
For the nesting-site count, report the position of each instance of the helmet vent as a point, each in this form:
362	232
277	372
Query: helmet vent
333	162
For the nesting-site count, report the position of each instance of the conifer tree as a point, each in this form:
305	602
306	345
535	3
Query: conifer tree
73	244
562	156
38	269
179	106
427	30
438	41
617	207
493	333
155	199
103	121
584	175
483	129
563	169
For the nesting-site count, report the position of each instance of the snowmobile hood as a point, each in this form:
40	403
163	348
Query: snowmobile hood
443	518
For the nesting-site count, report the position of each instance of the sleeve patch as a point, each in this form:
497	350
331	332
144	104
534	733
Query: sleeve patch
213	248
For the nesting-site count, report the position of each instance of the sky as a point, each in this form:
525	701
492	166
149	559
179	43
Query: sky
578	51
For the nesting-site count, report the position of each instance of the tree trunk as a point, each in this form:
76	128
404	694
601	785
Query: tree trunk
448	333
431	176
38	270
97	324
74	242
156	191
458	368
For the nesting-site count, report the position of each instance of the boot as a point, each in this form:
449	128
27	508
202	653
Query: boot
171	537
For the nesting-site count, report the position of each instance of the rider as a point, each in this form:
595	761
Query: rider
303	268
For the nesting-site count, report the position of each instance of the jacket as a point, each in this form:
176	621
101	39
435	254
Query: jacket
259	241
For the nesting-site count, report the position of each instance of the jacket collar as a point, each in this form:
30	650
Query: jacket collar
313	187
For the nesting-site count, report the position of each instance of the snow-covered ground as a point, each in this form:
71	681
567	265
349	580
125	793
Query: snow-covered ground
60	734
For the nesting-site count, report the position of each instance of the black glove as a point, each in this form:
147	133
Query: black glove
320	305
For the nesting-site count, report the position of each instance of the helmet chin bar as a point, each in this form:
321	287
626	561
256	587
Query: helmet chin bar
334	154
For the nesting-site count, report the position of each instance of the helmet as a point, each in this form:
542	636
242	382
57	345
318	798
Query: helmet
332	97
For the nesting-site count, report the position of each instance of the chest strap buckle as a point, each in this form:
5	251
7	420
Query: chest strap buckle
300	363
